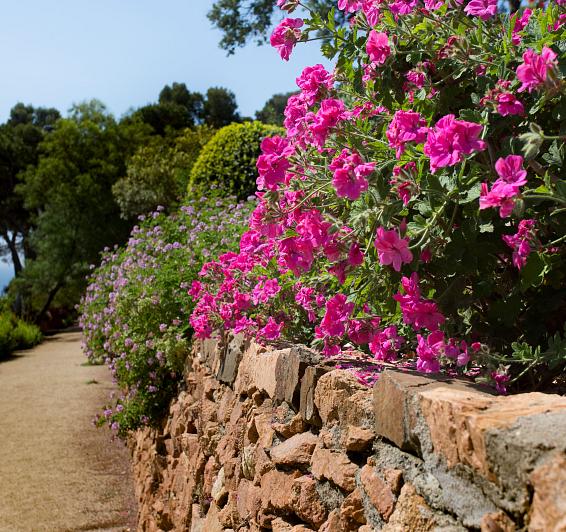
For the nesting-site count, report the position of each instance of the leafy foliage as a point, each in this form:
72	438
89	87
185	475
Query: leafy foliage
16	334
274	109
158	173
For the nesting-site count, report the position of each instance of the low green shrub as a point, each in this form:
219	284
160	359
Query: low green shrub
229	160
16	334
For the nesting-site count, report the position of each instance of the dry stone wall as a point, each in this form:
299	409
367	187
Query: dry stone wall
277	439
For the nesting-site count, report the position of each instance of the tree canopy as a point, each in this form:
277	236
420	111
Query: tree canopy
244	21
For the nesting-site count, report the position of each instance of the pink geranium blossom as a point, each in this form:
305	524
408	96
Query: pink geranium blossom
484	9
338	311
510	170
296	254
406	126
428	351
314	81
534	70
520	24
392	249
501	195
450	140
508	104
372	11
285	36
349	174
273	162
521	242
402	7
272	329
350	6
385	344
378	47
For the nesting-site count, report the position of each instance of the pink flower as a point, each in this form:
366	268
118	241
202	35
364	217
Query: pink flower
428	351
296	254
313	228
338	311
417	311
402	7
500	377
385	344
533	72
377	47
450	140
349	174
355	255
272	330
273	163
330	113
285	36
392	249
314	81
520	242
350	6
265	290
508	104
501	195
371	11
510	170
406	126
483	9
520	24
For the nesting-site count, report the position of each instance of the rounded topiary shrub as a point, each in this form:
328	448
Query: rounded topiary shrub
229	159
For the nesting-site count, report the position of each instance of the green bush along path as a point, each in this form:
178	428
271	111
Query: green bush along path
57	471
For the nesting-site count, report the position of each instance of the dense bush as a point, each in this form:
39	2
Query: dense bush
136	308
16	334
229	158
158	173
416	207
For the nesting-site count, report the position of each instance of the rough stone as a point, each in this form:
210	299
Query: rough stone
333	391
378	491
497	522
248	500
352	509
295	425
334	466
548	511
411	513
335	523
296	451
357	439
230	357
307	407
392	401
277	490
306	501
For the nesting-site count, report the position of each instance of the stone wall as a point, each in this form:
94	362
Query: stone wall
274	439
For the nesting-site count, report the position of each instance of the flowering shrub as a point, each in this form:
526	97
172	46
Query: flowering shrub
416	207
136	307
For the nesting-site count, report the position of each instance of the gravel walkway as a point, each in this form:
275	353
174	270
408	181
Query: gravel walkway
58	472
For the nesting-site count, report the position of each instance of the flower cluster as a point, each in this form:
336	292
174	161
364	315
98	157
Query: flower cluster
374	226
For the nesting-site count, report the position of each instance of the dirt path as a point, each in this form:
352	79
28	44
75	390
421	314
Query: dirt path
57	471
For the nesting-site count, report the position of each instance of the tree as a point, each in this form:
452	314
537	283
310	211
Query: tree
158	172
19	141
220	107
273	110
69	193
177	108
242	21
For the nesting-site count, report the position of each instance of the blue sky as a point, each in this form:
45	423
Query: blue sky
124	51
